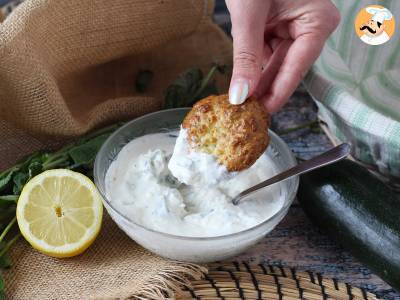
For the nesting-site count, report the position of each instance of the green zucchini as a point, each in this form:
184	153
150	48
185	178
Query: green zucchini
359	211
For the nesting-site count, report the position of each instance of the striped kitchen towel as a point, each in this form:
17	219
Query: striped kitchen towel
357	90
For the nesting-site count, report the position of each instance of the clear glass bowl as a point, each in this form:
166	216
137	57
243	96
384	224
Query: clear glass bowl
191	249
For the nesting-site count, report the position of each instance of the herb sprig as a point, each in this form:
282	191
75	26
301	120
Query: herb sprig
192	86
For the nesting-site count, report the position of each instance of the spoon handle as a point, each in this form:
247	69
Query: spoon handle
333	155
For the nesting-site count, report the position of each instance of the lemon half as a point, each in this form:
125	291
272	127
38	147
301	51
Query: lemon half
59	212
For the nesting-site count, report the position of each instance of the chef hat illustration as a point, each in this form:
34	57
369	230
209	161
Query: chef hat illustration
379	14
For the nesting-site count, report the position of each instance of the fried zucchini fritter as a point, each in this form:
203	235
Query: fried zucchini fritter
235	134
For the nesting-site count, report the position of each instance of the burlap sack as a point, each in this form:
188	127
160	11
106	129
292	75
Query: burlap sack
69	66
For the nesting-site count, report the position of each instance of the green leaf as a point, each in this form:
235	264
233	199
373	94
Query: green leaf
86	153
24	164
7	200
6	214
2	289
19	181
143	80
2	286
35	168
181	91
30	167
27	158
192	86
102	131
5	262
5	180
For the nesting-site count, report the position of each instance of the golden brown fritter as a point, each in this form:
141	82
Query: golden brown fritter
236	134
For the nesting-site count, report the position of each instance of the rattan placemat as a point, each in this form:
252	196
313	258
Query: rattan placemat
244	281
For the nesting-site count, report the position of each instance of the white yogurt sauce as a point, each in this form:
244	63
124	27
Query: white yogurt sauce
195	168
140	185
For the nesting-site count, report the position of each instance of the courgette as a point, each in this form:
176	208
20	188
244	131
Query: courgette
359	211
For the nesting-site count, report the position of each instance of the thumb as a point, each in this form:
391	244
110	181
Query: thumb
248	24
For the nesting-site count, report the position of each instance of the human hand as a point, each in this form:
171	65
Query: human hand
275	42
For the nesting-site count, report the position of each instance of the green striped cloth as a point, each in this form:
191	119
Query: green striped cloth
357	89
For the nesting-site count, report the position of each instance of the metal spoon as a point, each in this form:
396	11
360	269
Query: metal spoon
324	159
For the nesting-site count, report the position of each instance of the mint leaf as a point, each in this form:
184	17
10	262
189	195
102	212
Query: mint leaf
5	180
192	86
35	168
180	92
85	153
5	263
19	181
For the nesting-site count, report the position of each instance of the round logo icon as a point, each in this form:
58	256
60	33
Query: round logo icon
375	25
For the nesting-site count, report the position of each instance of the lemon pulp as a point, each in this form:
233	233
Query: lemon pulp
59	212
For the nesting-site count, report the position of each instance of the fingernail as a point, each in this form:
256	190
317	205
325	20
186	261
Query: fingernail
238	92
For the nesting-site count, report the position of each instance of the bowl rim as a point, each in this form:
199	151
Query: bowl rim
106	201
